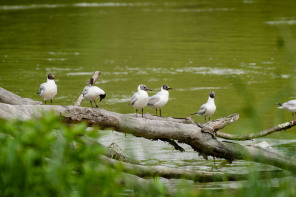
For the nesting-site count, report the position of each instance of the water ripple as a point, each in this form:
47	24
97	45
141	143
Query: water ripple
111	4
201	88
50	6
33	6
281	22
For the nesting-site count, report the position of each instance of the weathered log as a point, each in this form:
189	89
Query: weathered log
13	99
91	82
215	125
197	176
155	128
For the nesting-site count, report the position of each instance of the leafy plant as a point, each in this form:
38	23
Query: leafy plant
45	157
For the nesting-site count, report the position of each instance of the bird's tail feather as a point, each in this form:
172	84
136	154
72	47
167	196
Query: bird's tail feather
280	104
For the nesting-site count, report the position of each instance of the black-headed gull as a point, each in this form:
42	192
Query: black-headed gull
140	99
207	109
160	99
92	93
48	89
289	106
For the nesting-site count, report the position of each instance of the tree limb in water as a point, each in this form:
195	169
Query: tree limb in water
197	176
280	127
214	126
110	152
174	144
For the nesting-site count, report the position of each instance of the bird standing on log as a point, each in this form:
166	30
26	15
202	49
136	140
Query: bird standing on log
48	89
207	109
140	99
289	106
92	93
160	99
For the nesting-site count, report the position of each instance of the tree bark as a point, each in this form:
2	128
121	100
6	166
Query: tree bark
13	99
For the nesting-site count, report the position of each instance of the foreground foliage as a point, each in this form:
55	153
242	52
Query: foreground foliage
45	157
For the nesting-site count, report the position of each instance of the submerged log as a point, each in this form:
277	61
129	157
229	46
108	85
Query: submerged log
196	176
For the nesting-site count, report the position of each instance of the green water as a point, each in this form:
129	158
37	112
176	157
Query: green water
239	49
243	50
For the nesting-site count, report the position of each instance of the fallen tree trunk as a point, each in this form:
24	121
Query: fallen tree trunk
201	137
152	127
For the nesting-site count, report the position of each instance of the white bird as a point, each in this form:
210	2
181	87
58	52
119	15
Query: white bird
140	99
160	99
48	89
92	93
207	109
289	106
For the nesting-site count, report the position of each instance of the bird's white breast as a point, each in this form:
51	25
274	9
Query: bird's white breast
49	91
141	99
163	99
211	108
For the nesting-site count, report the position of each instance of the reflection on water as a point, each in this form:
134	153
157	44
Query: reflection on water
237	48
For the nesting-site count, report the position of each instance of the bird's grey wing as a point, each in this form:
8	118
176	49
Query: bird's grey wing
133	99
42	88
153	99
291	103
202	110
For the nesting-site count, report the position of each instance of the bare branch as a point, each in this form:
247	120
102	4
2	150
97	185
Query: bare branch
251	136
174	144
215	125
